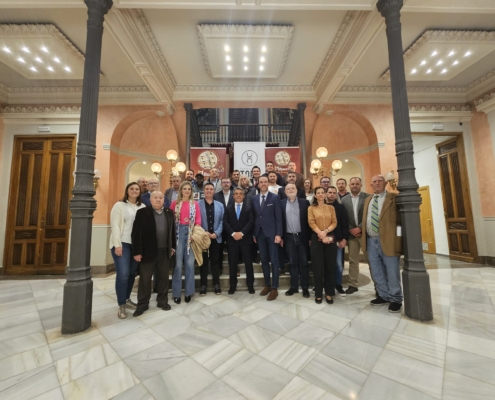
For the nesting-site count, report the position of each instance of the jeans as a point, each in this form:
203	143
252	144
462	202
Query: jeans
183	258
385	270
339	267
125	268
269	254
298	257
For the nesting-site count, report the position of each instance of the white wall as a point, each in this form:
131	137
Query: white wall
427	174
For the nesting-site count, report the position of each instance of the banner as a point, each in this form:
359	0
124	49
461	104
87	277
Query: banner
281	156
203	159
247	155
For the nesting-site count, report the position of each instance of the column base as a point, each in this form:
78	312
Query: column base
417	295
78	302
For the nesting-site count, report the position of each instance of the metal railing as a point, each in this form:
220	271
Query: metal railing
268	133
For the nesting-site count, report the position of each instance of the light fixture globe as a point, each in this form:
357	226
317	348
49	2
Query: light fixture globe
180	166
156	168
312	170
321	152
389	176
337	165
316	164
97	174
172	155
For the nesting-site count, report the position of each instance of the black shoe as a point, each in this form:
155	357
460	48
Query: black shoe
166	307
187	299
351	290
217	289
340	290
232	290
306	293
139	311
251	290
291	291
318	301
394	307
177	300
379	302
202	291
329	301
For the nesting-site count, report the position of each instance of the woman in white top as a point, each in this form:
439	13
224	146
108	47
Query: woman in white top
121	220
308	190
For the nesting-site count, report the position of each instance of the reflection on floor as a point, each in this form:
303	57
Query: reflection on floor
242	346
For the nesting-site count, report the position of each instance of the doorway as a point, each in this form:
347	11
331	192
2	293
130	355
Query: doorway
426	219
38	222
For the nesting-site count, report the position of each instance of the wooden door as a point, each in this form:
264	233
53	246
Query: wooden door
457	200
38	221
426	217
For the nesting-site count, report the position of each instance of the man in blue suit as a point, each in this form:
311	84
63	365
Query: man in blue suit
267	233
297	235
153	185
212	222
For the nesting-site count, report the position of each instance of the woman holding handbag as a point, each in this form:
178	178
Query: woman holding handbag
322	220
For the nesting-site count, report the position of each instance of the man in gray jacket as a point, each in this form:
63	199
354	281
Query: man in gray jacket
354	207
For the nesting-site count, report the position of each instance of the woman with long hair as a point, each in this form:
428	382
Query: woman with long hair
187	214
308	190
322	220
121	220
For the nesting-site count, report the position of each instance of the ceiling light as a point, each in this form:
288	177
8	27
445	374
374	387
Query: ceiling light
262	68
33	69
263	49
226	48
245	68
414	71
246	59
25	49
229	67
56	59
423	62
429	71
434	53
346	160
144	162
227	58
444	70
262	59
38	59
246	49
50	69
67	69
44	49
467	54
20	59
455	63
6	49
440	62
451	53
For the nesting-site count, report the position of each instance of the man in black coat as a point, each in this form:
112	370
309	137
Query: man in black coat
291	178
237	228
153	245
225	196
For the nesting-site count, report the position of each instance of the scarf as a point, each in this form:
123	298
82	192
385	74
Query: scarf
192	220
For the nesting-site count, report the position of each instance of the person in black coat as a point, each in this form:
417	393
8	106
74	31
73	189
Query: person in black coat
291	178
341	233
153	245
237	227
226	195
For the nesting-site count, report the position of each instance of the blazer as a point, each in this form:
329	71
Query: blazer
347	203
244	224
144	234
301	194
299	180
389	220
280	179
270	219
342	229
219	197
168	194
303	219
145	198
217	218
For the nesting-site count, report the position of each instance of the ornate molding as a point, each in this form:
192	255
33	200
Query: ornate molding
437	108
244	88
440	113
486	104
41	110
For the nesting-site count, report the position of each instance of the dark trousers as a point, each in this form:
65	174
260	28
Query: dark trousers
323	259
211	257
235	250
160	267
298	258
269	254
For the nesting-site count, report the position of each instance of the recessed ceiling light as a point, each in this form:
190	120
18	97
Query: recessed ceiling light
263	49
20	59
6	49
67	69
245	68
440	62
262	68
444	70
262	59
38	59
56	59
50	69
245	59
25	49
467	54
455	62
451	53
44	49
423	62
227	58
414	71
246	49
226	48
33	69
229	67
434	54
346	160
429	71
144	162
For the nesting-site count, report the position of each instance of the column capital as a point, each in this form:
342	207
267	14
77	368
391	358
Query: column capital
389	7
102	6
188	106
301	106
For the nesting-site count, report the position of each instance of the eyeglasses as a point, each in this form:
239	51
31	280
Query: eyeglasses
325	181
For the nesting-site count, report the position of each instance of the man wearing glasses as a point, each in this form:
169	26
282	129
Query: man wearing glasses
153	185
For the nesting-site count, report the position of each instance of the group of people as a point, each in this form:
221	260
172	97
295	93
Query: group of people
277	217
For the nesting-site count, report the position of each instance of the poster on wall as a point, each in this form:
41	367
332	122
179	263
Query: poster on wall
247	155
203	159
281	157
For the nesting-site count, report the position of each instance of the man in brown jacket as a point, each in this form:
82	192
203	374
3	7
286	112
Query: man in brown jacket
383	242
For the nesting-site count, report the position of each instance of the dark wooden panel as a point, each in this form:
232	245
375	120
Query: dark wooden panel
22	192
457	182
60	253
47	253
35	190
30	253
52	192
453	242
32	146
447	147
64	191
65	145
21	235
444	171
55	233
458	226
465	244
16	254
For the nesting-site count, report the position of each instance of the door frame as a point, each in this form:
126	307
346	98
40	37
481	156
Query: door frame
427	190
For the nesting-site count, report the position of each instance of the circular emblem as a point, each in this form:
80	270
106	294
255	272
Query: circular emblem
282	158
207	159
249	158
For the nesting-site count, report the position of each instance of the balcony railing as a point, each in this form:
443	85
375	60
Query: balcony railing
268	133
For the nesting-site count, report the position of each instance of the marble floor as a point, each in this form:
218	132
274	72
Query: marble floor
244	347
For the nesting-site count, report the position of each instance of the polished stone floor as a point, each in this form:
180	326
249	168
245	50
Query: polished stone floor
244	347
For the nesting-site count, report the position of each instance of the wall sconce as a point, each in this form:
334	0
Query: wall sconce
391	179
96	178
172	156
317	168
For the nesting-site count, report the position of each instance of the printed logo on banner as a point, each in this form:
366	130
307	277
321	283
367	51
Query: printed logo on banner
250	158
247	155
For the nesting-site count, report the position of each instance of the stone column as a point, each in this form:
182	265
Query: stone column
78	290
415	279
302	136
189	111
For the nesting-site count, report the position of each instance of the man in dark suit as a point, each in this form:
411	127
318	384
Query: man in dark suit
354	205
237	227
153	244
299	177
269	168
172	192
267	233
153	185
225	196
297	235
291	179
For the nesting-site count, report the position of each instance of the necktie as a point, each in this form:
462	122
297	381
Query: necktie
238	212
262	202
375	218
